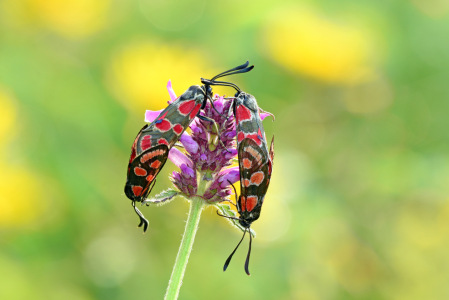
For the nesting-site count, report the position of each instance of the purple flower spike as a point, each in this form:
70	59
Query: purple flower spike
151	115
171	92
208	153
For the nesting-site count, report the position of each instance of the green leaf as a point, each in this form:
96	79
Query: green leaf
226	210
162	198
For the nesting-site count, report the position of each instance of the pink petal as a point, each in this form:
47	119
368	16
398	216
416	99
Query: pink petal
189	144
263	115
231	175
179	158
218	103
187	171
194	127
151	115
171	92
230	153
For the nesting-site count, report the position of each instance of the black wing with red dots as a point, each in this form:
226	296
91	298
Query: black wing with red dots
142	172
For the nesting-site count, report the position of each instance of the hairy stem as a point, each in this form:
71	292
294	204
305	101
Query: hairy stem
196	206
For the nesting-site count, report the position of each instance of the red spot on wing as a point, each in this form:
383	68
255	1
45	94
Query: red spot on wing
186	107
178	129
164	125
137	190
251	202
246	163
246	183
240	136
146	142
140	171
243	202
195	111
155	164
162	141
150	178
243	113
146	157
257	178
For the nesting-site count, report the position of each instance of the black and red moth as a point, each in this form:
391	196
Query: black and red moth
255	165
150	149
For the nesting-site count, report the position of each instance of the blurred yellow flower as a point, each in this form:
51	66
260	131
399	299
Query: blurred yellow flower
70	18
22	198
139	72
308	43
7	115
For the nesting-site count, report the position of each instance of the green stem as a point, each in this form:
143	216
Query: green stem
196	206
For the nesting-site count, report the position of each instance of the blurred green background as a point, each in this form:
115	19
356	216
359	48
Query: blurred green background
358	204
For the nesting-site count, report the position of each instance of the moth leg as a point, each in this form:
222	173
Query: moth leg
229	201
143	221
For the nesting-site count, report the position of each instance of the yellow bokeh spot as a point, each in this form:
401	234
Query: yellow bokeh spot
7	115
139	72
71	18
308	43
22	200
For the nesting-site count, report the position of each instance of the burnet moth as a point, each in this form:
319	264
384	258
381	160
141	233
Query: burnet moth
255	163
150	149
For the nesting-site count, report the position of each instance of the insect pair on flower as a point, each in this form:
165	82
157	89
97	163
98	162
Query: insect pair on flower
215	124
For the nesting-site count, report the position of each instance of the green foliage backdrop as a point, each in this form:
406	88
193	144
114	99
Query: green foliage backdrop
357	207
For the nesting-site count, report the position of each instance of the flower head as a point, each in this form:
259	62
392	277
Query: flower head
210	149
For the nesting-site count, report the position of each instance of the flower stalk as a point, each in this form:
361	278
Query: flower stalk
196	207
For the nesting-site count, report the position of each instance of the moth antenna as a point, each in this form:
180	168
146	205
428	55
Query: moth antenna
143	221
247	257
220	83
235	72
225	73
235	191
228	217
230	256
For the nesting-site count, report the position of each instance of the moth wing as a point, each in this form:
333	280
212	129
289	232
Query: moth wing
143	170
270	162
254	170
134	146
